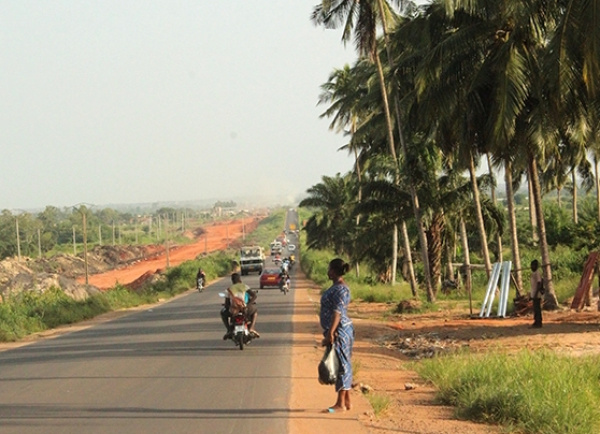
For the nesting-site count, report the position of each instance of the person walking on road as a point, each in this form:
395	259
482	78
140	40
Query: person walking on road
338	330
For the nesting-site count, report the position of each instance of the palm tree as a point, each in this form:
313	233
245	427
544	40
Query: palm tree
410	9
368	14
572	68
352	104
343	92
331	14
332	226
573	63
517	34
392	203
447	107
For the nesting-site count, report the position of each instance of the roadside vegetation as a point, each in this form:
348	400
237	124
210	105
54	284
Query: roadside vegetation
473	128
441	100
31	312
527	392
531	392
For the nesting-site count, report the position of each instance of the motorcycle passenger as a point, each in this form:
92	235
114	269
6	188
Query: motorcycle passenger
245	299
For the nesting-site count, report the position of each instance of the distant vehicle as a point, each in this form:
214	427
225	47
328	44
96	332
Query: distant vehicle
252	258
269	277
291	247
276	248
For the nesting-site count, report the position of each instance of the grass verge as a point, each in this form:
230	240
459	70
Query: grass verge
528	392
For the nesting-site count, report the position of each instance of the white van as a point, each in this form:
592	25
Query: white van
276	248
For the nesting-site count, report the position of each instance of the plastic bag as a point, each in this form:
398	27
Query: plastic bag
329	366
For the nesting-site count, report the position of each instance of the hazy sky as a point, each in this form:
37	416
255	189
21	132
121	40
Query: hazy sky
123	101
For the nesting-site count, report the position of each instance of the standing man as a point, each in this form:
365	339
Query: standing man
536	294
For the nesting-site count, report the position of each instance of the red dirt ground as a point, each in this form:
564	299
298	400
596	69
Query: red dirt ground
216	237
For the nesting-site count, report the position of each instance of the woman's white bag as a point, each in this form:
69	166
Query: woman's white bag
329	366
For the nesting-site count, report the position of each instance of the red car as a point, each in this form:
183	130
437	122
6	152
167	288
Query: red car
269	277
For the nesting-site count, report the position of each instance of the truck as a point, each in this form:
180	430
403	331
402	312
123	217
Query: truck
252	258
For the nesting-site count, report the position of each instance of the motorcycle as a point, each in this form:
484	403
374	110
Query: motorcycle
284	285
240	333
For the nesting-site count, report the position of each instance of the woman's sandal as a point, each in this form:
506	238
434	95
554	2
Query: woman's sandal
333	410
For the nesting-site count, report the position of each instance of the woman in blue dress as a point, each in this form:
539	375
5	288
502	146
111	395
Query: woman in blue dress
338	329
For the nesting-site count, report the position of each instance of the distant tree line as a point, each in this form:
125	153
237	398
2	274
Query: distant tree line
62	229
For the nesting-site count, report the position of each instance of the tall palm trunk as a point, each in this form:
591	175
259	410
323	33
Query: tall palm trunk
532	212
466	260
512	224
450	260
408	259
597	186
493	191
359	177
413	192
575	213
550	296
481	226
390	134
434	238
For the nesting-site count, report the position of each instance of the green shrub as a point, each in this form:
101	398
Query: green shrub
379	402
315	263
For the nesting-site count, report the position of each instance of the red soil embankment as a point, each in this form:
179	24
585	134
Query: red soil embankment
216	237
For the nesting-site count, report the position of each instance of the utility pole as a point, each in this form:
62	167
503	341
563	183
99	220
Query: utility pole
18	239
82	209
39	243
167	243
85	255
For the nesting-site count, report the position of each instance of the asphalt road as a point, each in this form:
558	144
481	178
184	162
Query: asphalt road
161	370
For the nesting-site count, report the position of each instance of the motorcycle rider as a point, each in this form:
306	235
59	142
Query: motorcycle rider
284	278
245	298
